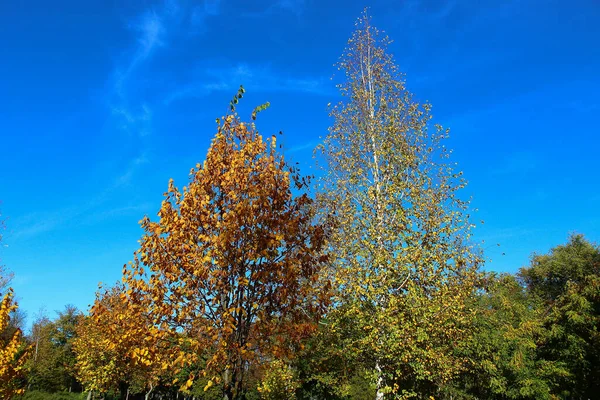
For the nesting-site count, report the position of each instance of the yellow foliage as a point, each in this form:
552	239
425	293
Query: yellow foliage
116	343
13	352
279	382
404	264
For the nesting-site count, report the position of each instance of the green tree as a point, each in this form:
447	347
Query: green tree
404	264
52	359
567	280
329	365
503	354
279	382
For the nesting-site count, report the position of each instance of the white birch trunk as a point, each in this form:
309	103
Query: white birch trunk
379	395
147	397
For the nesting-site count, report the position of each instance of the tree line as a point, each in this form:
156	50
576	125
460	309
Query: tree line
257	282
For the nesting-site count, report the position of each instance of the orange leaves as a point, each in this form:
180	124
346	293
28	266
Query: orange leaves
232	246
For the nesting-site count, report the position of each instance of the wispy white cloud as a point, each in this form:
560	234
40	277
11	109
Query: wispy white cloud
133	166
37	223
150	34
150	31
302	147
154	29
134	122
134	116
254	78
503	234
110	213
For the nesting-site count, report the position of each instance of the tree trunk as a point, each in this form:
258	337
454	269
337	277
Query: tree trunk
147	397
379	395
227	386
89	396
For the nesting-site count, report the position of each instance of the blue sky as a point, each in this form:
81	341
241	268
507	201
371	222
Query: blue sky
103	101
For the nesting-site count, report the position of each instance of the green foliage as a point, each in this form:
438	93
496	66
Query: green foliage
38	395
229	283
404	266
572	263
503	353
279	382
329	365
567	281
536	335
51	365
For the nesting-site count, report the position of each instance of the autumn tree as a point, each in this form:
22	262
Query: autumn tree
116	348
404	264
233	261
13	349
5	275
13	353
17	316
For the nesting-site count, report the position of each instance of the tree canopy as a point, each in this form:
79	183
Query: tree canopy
248	285
234	260
404	264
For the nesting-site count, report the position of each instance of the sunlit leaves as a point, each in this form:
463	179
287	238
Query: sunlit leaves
13	353
404	266
117	343
232	263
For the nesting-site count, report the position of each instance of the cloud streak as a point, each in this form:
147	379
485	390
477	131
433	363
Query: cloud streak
302	147
255	78
38	223
150	34
132	168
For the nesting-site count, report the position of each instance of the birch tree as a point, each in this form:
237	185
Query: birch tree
404	264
